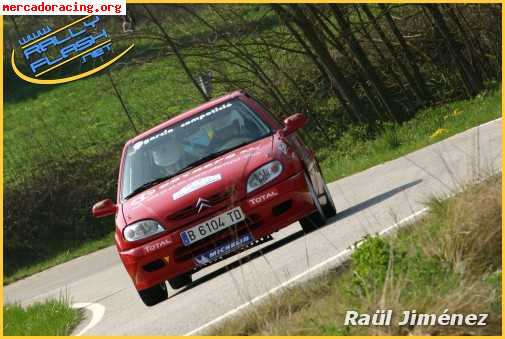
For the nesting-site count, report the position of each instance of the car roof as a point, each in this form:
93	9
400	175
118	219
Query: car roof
183	116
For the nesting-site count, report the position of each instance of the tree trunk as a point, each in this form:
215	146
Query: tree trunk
360	73
382	57
123	105
332	68
410	57
475	60
243	55
360	55
414	85
286	18
475	41
470	80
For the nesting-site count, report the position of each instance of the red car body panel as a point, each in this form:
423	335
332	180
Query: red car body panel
172	203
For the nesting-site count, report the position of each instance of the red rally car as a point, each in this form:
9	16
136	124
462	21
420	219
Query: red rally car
207	184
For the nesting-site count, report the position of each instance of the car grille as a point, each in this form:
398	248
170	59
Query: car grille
190	210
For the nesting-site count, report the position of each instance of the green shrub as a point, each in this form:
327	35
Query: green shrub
370	263
375	259
390	135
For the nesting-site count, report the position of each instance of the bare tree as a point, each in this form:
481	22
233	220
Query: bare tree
472	82
175	50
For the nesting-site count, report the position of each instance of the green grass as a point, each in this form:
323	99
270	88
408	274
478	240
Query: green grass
59	258
83	120
51	317
351	154
355	151
449	259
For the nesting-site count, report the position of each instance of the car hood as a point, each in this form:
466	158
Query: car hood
220	179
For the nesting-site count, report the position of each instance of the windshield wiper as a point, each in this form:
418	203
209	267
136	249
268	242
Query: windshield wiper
150	184
147	185
211	156
202	160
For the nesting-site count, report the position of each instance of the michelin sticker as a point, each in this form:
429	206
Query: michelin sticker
195	185
217	252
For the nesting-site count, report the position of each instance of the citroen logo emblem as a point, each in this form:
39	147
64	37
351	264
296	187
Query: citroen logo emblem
201	203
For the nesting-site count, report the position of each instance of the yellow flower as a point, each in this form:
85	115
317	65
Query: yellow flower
438	133
456	112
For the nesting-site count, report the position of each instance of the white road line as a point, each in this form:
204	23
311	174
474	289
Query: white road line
320	266
97	312
484	124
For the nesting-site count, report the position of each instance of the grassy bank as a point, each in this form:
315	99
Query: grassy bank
354	152
449	260
52	317
63	142
357	151
59	258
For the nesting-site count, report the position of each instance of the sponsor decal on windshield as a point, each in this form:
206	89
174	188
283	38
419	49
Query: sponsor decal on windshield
206	114
195	185
202	116
140	143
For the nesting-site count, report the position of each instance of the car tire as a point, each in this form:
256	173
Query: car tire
316	219
154	294
180	281
329	208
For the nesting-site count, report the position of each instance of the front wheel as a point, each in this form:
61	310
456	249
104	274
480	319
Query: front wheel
180	281
316	219
323	211
154	294
329	207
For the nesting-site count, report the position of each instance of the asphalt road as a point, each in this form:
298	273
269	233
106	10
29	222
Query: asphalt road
369	202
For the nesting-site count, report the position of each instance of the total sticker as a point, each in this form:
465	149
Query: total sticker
156	246
263	197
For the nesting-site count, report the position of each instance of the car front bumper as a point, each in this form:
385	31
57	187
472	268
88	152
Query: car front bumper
267	211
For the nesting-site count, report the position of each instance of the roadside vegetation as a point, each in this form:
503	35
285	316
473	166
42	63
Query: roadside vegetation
371	94
450	260
356	150
51	317
60	257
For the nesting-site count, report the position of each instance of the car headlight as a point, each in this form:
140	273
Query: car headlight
264	175
142	229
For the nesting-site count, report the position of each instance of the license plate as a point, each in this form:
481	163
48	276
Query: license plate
223	249
212	226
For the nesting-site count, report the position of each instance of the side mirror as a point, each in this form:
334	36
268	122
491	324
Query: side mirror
104	208
293	123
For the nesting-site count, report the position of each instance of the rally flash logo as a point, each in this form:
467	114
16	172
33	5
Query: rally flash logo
82	41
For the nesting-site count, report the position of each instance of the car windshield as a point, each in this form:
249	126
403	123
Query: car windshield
188	143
